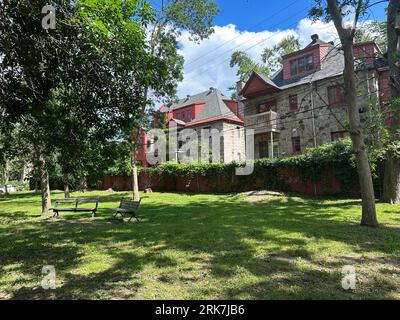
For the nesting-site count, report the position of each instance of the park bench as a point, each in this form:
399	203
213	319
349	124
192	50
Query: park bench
75	205
129	207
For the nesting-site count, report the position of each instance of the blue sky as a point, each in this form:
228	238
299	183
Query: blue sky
246	14
249	26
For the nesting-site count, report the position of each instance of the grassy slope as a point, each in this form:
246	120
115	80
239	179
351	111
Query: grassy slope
200	247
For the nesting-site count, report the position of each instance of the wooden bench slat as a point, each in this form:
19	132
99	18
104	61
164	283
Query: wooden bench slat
76	201
128	206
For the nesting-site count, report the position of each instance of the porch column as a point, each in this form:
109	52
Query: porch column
272	144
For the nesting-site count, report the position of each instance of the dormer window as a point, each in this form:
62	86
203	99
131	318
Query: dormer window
309	62
301	65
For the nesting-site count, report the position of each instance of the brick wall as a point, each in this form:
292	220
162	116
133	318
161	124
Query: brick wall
384	88
198	184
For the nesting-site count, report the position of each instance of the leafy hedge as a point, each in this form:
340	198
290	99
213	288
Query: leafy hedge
334	159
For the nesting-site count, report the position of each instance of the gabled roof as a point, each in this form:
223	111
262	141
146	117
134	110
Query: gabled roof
214	107
258	83
331	66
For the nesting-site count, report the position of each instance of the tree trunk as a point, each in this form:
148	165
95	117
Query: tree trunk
391	181
356	133
135	135
357	137
393	34
135	179
44	183
6	177
66	190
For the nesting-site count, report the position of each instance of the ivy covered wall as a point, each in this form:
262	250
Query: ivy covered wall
326	170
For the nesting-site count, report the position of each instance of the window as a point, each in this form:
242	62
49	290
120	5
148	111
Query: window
310	62
293	67
339	135
274	149
302	64
296	144
183	116
268	106
189	116
178	116
293	102
262	108
335	96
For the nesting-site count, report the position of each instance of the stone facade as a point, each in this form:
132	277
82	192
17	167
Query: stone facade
300	113
318	129
231	139
212	112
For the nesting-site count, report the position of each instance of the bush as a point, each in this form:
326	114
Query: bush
334	159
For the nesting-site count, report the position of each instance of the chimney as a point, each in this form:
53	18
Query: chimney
314	38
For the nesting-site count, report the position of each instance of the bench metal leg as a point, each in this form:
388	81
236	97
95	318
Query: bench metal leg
134	215
93	214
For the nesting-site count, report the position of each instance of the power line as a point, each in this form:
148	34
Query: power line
236	47
234	38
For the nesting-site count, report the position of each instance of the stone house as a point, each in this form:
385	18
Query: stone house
303	104
208	114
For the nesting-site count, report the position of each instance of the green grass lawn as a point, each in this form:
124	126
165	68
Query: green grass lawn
200	247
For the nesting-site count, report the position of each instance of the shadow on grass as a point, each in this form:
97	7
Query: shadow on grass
228	232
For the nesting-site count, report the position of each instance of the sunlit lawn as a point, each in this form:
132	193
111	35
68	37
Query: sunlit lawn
199	247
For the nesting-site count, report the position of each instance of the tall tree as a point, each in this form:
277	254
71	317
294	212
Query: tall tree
246	65
173	17
30	67
271	60
95	55
391	182
335	11
374	30
272	57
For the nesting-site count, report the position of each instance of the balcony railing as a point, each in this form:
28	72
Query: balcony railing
262	122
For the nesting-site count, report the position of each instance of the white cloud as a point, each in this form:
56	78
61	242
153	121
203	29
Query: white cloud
207	63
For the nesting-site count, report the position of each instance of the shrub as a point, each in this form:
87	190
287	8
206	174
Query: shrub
335	159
